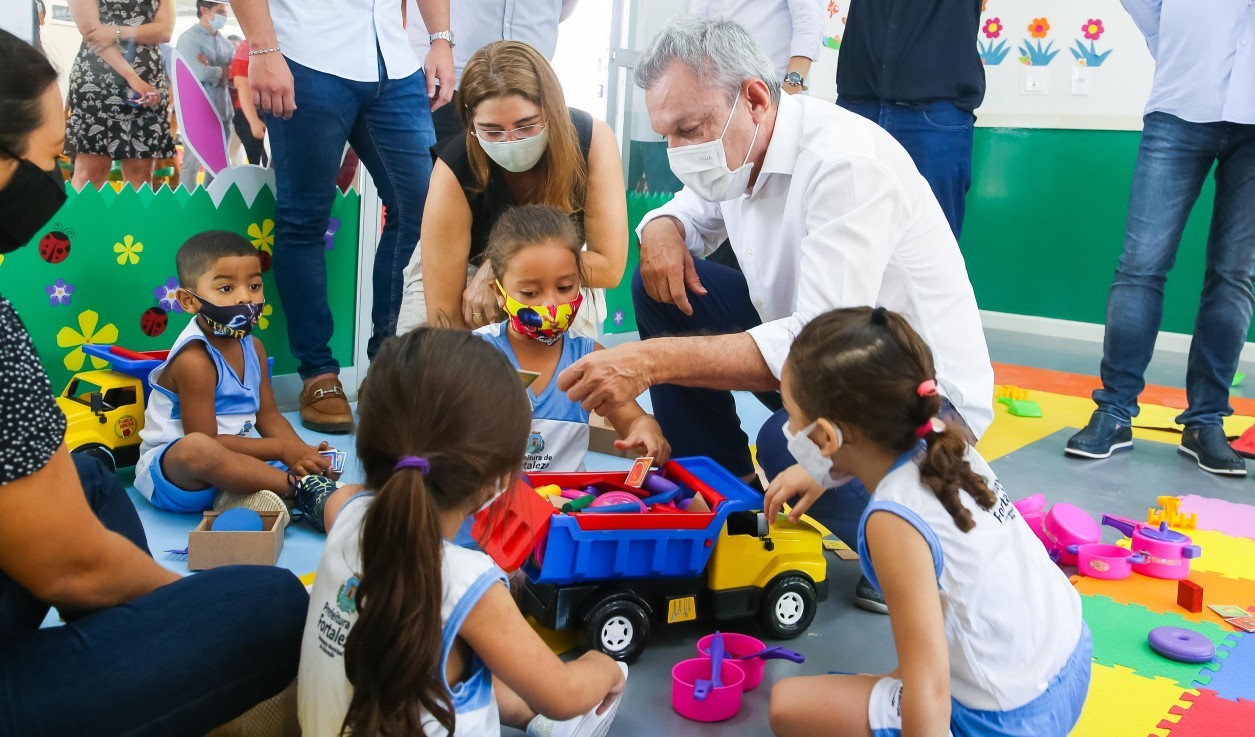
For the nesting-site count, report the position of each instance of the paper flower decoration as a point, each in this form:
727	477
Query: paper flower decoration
992	28
1039	27
128	251
1093	29
59	292
73	339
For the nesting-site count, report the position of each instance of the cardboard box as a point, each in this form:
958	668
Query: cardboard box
601	437
209	549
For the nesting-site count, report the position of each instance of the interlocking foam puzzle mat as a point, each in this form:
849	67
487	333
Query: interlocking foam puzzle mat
1133	690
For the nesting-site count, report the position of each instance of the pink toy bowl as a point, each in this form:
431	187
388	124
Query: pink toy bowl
735	646
1064	525
1033	510
723	702
1100	560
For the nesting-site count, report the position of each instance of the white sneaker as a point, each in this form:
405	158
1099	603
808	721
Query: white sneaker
260	501
591	724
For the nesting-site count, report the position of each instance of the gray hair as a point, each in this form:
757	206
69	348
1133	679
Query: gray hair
718	51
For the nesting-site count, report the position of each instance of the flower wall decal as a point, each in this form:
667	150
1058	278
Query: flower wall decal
167	295
1092	29
73	339
263	234
263	320
1039	27
128	250
992	28
59	292
992	54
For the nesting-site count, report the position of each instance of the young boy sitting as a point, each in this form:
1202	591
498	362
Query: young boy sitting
211	399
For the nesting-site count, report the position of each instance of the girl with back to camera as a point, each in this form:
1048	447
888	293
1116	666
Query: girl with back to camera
407	633
988	630
537	265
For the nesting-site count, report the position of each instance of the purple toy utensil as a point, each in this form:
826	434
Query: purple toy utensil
702	687
774	653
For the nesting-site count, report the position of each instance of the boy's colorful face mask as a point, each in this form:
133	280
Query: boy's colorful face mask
545	323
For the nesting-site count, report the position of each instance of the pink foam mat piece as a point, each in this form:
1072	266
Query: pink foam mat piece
1221	516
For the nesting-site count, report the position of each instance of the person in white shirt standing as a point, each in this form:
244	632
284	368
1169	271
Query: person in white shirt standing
788	31
823	209
327	72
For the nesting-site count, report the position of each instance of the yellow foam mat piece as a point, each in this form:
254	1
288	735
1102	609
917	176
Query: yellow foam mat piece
1223	554
1121	702
1061	411
1159	595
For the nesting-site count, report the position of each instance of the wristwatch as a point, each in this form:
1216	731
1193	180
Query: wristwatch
443	36
795	79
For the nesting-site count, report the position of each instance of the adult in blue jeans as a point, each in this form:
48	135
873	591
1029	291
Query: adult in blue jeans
327	73
914	69
1201	114
823	210
142	651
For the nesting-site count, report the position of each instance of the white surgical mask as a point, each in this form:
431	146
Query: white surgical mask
501	488
218	22
812	460
703	167
517	156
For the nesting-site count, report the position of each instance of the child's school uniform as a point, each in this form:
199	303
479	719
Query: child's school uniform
236	402
323	689
559	437
1019	650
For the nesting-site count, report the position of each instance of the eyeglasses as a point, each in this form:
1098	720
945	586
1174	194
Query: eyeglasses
517	134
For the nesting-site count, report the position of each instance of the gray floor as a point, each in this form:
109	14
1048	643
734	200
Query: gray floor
847	639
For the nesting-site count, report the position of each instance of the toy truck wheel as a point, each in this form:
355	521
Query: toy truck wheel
619	628
788	608
100	453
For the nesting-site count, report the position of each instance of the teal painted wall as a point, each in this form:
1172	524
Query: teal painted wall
1045	225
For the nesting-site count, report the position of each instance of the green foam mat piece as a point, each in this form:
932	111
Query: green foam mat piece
1120	632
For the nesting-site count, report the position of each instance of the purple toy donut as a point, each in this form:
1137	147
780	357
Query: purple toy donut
1178	643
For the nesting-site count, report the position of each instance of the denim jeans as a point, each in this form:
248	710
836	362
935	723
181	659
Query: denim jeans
703	421
178	661
388	123
938	136
1173	159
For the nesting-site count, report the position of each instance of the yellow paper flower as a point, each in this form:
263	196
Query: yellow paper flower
128	250
263	235
263	321
68	337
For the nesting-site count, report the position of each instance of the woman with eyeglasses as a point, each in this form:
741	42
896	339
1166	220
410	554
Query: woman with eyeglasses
522	146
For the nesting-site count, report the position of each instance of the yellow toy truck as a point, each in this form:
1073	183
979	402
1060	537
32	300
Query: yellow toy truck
104	409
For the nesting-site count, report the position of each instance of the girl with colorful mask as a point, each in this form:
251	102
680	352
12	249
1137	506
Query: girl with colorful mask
536	264
522	145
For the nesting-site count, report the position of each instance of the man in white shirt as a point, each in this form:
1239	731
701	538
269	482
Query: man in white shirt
327	72
788	31
482	22
823	208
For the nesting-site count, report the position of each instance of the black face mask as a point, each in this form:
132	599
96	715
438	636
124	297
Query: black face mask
30	200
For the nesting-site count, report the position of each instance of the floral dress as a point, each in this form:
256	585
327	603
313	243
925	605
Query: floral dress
102	121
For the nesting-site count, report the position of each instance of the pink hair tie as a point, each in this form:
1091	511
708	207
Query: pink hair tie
933	425
927	388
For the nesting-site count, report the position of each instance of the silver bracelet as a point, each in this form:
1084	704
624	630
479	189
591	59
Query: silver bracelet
259	52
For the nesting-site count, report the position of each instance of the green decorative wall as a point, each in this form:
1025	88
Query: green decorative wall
109	286
1043	231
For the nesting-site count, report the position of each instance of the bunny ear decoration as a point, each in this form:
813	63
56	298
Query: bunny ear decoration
198	120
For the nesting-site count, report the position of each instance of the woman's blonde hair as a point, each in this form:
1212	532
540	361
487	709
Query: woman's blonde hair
515	68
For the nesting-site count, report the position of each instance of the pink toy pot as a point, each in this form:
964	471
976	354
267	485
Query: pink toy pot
735	646
1065	525
1100	560
723	702
1033	510
1167	553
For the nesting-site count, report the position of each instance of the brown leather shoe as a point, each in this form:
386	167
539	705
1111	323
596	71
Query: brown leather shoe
325	408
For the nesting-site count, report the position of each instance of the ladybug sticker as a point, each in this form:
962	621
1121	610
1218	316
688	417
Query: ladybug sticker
55	246
154	321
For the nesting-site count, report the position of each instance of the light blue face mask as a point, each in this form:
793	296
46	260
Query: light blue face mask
812	460
218	22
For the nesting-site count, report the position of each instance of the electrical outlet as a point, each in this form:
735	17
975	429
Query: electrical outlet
1035	81
1081	78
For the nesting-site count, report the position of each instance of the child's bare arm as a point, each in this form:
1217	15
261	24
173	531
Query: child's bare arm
512	650
639	430
193	376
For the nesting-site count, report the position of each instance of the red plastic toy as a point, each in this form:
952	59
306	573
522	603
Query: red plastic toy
1189	596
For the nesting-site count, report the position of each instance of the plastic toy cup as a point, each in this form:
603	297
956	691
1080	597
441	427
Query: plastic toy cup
1100	560
734	646
723	702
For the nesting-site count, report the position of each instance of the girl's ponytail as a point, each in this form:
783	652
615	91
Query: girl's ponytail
945	470
392	655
